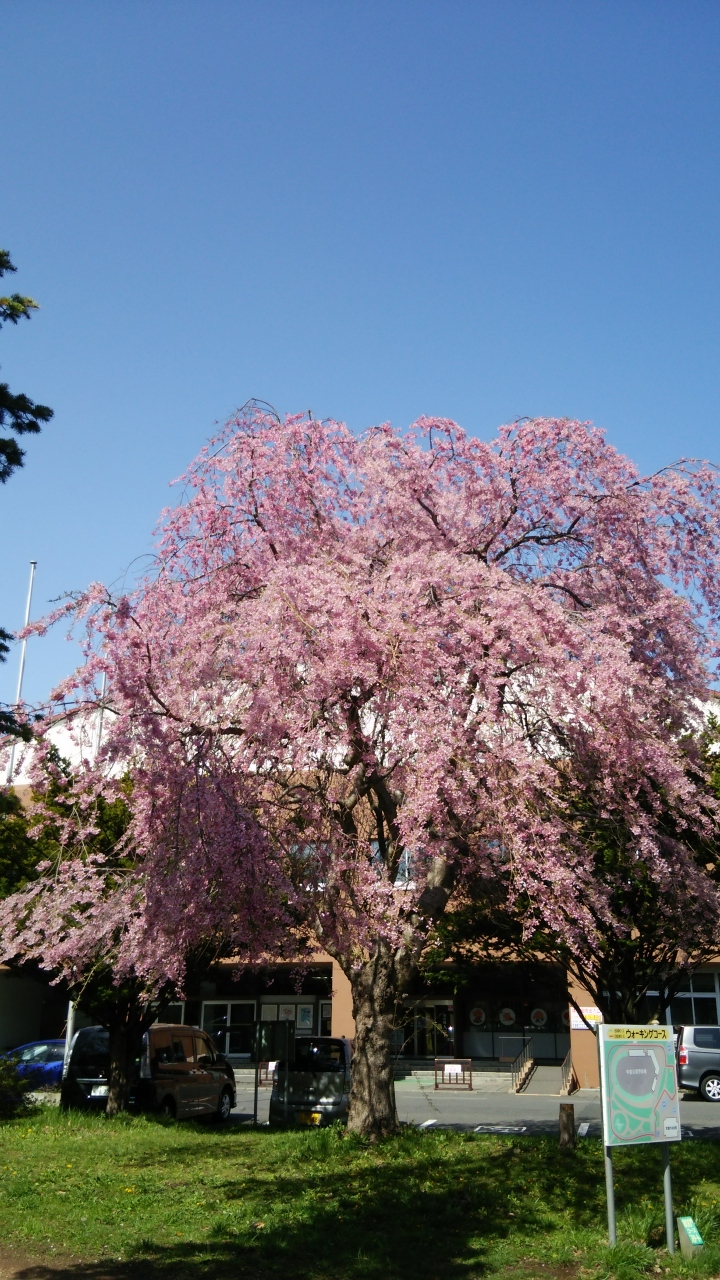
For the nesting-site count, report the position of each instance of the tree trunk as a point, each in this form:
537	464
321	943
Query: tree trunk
125	1042
372	1097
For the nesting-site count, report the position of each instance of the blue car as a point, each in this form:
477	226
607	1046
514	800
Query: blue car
42	1059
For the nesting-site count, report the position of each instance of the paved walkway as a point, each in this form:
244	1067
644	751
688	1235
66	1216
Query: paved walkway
483	1082
545	1081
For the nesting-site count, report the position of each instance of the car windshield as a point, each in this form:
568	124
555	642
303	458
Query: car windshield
318	1054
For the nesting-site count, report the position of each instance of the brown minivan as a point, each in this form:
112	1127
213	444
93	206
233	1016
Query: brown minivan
179	1073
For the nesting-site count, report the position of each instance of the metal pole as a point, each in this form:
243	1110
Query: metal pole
69	1029
610	1188
667	1192
257	1068
21	673
99	724
286	1107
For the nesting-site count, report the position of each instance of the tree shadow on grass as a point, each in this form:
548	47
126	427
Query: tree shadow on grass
420	1208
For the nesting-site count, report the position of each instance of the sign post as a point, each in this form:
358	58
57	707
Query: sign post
640	1103
610	1192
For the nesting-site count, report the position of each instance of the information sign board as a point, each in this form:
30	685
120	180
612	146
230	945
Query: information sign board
638	1085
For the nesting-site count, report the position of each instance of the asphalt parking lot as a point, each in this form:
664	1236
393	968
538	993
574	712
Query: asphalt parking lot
492	1108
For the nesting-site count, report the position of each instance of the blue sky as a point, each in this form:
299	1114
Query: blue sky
372	210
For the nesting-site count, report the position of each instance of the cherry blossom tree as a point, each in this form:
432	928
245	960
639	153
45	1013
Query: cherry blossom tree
643	936
365	669
84	919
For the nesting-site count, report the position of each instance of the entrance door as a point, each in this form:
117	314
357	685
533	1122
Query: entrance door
429	1032
434	1031
240	1029
214	1021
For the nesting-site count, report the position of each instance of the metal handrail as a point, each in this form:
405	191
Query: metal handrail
522	1066
567	1078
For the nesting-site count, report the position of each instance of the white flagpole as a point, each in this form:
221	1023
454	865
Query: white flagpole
21	672
100	713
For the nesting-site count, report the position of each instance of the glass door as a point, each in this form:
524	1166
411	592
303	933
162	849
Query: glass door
230	1025
428	1032
214	1021
241	1020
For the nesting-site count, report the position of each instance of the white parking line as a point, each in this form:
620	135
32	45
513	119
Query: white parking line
500	1128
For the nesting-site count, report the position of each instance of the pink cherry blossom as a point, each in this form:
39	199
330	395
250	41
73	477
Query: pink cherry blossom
365	668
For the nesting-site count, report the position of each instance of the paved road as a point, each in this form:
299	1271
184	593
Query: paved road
492	1108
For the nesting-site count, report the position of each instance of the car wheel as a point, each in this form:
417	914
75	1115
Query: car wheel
224	1105
710	1088
168	1110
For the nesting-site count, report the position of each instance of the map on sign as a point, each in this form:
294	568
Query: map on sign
638	1083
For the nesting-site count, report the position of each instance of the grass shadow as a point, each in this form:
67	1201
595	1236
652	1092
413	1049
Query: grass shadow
323	1206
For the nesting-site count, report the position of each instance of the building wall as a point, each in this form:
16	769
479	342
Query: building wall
28	1010
583	1046
343	1023
698	1004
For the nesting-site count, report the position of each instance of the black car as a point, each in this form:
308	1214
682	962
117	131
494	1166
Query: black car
179	1073
698	1057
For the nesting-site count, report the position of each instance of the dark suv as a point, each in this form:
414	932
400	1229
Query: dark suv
179	1073
698	1057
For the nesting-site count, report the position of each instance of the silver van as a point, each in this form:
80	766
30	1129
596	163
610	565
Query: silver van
315	1088
698	1058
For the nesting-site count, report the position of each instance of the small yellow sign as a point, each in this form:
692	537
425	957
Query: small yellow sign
638	1033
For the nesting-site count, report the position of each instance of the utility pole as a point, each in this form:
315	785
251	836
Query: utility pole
21	673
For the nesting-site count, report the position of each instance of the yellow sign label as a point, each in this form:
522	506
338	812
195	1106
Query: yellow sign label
638	1033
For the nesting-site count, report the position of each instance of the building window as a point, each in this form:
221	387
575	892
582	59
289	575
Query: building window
172	1012
697	1005
326	1018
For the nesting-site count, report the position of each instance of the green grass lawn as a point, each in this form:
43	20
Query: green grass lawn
158	1199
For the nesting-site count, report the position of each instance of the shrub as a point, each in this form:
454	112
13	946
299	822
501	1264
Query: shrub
14	1089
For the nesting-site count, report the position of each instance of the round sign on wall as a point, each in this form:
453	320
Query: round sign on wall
538	1017
507	1017
477	1016
566	1017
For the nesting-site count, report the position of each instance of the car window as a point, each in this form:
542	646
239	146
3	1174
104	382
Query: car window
203	1049
707	1037
183	1049
34	1053
316	1054
92	1047
56	1053
161	1043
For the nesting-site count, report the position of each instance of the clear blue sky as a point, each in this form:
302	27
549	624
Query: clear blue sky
369	209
